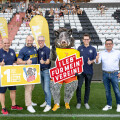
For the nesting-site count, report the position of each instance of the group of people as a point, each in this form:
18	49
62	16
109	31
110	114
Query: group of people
30	13
30	55
9	9
102	8
27	55
65	9
68	9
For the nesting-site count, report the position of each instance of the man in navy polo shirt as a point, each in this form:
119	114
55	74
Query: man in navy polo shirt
28	55
8	57
44	61
89	55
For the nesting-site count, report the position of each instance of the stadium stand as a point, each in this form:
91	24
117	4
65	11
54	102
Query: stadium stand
99	26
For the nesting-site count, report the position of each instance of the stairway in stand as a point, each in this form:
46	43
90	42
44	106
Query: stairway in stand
13	26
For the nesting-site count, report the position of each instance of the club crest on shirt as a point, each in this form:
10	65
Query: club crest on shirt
90	51
42	53
81	49
29	51
3	55
11	54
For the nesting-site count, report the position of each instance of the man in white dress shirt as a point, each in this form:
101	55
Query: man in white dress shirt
110	66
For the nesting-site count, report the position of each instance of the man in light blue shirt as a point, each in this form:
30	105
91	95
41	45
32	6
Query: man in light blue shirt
110	66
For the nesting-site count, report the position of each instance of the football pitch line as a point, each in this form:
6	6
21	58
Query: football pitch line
62	115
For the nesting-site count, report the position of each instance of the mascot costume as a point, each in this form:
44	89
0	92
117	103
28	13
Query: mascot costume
63	48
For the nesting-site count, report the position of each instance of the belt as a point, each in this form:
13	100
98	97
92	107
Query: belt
44	69
111	71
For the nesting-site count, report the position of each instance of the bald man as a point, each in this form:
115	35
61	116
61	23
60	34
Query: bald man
28	55
8	57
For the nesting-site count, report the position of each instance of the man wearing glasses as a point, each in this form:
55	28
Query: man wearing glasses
110	66
44	61
89	54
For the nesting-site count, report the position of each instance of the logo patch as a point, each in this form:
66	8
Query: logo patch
3	55
42	53
90	51
81	49
11	54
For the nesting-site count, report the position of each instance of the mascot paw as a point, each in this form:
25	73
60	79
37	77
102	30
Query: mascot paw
67	106
76	74
56	106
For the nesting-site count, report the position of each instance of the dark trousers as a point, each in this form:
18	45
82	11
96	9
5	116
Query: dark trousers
88	78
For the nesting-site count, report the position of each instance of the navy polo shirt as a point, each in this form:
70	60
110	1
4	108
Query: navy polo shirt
9	57
28	52
45	54
87	52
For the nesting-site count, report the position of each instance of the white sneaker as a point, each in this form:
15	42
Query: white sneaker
34	104
47	108
87	106
44	104
78	105
118	108
107	107
31	109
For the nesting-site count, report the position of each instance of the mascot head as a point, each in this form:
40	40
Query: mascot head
63	38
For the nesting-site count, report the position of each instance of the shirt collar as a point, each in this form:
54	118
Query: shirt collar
86	47
5	51
42	48
110	51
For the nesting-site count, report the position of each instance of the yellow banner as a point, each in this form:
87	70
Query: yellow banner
3	28
20	75
62	53
39	27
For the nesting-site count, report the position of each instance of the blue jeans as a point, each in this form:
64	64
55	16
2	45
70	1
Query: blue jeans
113	79
45	81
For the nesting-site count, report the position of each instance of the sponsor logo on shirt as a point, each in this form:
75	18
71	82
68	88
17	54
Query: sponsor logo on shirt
33	56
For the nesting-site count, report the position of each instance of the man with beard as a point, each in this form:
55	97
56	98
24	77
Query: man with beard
28	55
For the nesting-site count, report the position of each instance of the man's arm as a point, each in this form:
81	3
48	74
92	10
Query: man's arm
2	63
21	62
98	59
47	61
90	61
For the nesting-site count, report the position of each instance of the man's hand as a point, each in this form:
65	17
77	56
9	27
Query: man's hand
14	64
89	62
29	62
118	75
97	57
2	63
42	61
